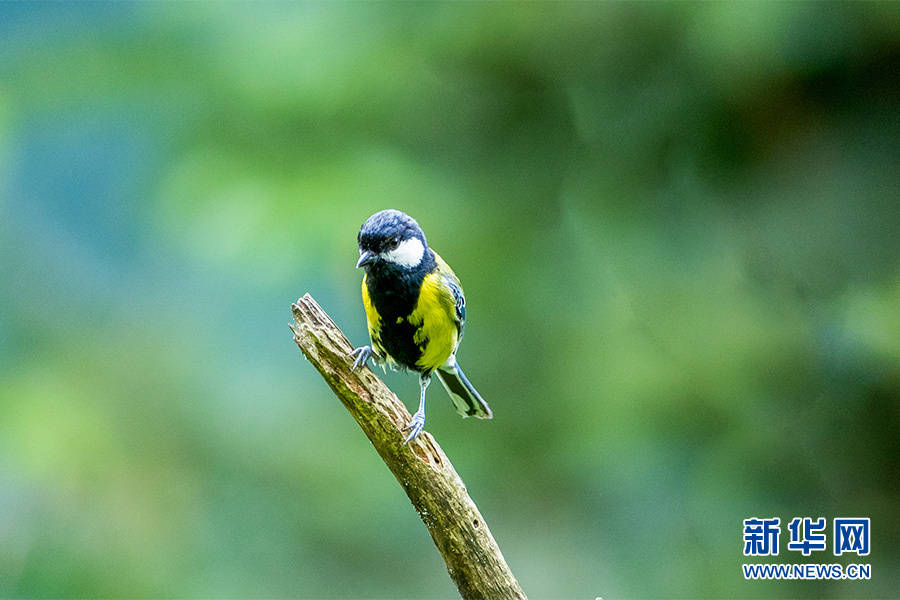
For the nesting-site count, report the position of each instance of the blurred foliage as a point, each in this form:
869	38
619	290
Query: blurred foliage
677	225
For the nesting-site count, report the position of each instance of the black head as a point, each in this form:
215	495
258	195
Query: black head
391	237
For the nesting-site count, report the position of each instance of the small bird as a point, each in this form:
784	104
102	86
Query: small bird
415	311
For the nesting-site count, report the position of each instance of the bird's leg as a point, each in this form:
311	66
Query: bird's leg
417	423
362	355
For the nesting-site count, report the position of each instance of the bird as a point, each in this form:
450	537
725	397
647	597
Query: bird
415	312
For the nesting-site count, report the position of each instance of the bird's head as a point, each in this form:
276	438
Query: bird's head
391	238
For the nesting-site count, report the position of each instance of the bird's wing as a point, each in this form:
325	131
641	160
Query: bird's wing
452	286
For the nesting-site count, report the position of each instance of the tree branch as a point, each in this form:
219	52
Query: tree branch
438	494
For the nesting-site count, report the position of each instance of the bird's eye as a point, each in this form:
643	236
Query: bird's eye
393	243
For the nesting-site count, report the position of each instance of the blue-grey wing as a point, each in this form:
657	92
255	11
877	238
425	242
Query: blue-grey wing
460	300
451	281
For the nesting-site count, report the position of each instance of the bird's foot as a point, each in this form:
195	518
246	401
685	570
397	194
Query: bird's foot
416	425
362	355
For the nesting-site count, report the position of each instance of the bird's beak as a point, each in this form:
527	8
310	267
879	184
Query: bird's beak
366	257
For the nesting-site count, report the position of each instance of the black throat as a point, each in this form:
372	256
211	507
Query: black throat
394	290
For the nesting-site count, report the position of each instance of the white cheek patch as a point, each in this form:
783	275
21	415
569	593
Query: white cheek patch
408	254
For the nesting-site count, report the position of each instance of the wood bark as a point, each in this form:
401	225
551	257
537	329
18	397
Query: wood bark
473	559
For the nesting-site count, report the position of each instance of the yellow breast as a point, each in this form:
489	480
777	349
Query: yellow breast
373	319
434	316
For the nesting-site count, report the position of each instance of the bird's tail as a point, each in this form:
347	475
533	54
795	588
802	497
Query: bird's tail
466	399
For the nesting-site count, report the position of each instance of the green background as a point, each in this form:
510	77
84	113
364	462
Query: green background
678	230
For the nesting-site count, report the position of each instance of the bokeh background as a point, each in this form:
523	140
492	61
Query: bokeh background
677	226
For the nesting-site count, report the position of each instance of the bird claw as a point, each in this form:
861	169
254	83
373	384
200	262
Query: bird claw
416	425
362	355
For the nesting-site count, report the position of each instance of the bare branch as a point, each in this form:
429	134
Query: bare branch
438	494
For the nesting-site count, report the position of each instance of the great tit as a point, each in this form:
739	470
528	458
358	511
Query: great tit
415	310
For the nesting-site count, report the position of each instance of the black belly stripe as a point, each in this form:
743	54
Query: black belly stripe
397	340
